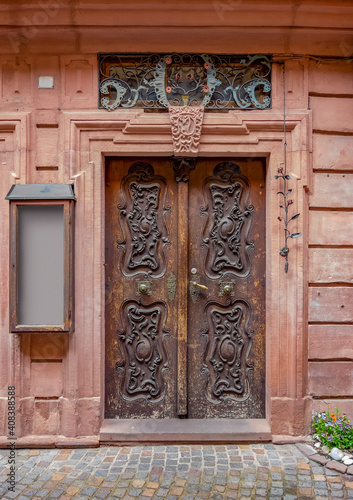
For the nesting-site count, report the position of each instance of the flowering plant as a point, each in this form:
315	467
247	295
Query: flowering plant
333	429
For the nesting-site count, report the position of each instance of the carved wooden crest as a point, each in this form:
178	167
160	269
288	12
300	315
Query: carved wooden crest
186	124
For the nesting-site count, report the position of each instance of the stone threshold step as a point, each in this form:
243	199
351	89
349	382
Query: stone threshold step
47	442
151	431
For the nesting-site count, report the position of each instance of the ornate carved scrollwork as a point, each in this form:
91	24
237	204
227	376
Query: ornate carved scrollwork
226	360
186	125
144	352
226	230
182	167
142	222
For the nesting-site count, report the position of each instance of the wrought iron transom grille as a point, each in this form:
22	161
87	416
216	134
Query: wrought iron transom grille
157	81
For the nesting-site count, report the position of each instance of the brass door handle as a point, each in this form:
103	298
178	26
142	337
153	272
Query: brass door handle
201	286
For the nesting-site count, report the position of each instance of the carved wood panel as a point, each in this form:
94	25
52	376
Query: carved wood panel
142	211
229	343
145	358
229	216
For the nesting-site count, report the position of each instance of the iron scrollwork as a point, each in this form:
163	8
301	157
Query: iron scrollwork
142	219
145	358
226	360
158	81
226	230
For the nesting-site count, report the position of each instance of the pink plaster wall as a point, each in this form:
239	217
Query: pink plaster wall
331	237
60	378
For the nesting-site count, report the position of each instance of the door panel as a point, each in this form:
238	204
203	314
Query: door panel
140	265
227	322
185	289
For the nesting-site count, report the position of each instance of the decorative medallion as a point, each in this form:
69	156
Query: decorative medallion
226	359
186	129
142	212
143	350
158	81
228	222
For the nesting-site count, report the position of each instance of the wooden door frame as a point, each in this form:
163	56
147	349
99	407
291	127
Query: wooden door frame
238	133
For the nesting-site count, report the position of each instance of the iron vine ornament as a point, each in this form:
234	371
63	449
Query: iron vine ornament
282	174
158	81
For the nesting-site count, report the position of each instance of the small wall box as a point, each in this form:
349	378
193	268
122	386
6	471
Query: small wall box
41	257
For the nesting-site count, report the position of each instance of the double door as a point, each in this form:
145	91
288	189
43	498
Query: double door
185	288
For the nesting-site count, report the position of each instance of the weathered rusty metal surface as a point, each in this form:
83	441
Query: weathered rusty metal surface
168	355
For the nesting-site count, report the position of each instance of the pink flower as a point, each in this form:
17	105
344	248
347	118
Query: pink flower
280	170
290	202
177	76
279	218
190	76
206	89
168	89
168	60
207	65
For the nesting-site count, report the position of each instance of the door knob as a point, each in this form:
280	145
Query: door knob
201	286
143	287
226	288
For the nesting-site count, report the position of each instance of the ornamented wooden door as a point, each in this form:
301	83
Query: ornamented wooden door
185	288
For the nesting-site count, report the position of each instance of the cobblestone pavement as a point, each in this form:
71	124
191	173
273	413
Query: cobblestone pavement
256	471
